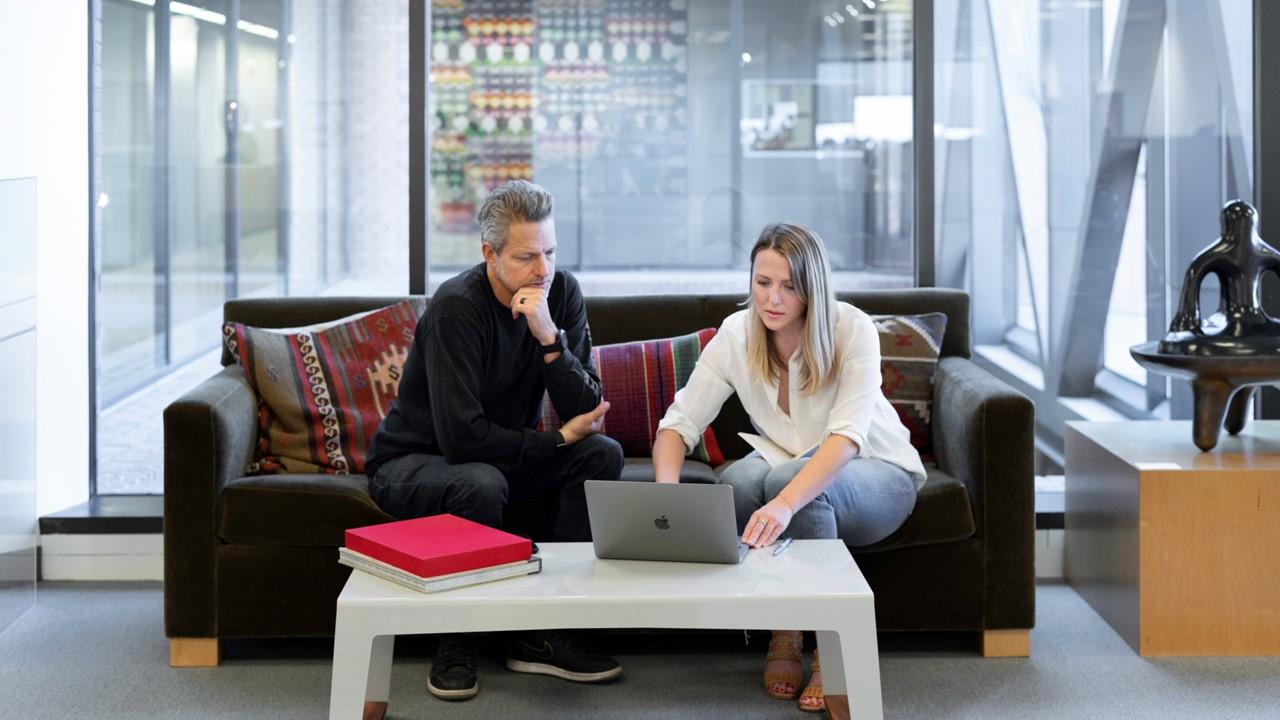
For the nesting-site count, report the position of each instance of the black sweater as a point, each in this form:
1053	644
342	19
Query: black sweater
474	379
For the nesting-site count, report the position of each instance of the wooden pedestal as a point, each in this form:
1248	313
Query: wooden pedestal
1177	549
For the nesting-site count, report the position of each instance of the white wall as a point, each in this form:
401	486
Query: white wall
44	130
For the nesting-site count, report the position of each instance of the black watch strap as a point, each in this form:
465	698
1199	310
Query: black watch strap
556	346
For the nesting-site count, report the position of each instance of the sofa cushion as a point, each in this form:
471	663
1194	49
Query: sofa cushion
909	347
641	470
942	514
303	510
640	381
323	389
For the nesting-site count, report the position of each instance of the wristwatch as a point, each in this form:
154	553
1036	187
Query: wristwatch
556	346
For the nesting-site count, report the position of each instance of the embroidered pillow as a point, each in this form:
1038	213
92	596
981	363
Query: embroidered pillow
323	389
640	381
909	347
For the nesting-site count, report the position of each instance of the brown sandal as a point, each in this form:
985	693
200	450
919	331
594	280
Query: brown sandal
812	700
784	650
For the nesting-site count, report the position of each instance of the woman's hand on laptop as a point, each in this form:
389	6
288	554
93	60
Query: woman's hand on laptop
588	423
767	523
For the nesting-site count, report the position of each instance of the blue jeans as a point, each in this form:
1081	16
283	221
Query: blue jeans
867	501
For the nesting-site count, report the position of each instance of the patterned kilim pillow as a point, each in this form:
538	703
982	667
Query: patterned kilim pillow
640	381
909	347
322	390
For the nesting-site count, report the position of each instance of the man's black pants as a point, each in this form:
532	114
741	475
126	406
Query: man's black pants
413	486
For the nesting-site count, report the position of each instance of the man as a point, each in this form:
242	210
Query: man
459	437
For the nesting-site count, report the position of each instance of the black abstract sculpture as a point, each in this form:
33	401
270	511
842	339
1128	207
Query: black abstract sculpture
1241	349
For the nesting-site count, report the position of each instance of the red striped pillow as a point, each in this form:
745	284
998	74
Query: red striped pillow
640	382
322	390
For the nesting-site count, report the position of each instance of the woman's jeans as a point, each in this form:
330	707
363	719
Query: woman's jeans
867	501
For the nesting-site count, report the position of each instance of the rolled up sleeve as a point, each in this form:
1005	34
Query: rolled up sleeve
858	384
699	401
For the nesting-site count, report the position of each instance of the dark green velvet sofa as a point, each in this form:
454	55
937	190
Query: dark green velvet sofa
252	557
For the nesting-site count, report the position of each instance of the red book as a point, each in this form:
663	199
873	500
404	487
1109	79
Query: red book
438	545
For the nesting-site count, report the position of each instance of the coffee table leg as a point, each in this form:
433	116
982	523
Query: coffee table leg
379	689
851	666
356	673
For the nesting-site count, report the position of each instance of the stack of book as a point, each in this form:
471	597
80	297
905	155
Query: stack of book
439	552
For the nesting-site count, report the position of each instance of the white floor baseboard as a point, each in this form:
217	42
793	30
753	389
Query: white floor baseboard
67	556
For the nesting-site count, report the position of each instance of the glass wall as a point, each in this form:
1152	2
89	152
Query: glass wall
670	132
259	147
245	148
1084	151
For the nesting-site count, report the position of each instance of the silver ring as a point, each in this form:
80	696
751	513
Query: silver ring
763	522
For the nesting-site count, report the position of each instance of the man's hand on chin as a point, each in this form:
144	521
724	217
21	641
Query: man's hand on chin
531	301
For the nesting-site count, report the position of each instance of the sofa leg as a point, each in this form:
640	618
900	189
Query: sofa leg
1006	643
375	710
194	652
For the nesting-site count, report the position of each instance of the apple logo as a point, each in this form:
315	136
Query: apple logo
662	523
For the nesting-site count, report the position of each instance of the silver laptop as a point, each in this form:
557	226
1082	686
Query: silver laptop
648	521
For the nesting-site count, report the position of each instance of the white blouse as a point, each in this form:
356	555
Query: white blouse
852	406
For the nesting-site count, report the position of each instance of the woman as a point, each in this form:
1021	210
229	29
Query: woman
807	370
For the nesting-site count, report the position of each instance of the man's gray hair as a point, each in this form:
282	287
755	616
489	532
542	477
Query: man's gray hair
518	201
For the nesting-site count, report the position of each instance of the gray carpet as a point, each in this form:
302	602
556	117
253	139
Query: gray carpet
97	650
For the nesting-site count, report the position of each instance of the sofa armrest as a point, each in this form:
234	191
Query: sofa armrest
209	435
984	435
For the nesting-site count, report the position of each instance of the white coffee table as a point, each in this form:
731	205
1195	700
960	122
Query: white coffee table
815	585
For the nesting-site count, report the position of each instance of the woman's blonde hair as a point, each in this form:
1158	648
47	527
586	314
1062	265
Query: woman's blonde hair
811	277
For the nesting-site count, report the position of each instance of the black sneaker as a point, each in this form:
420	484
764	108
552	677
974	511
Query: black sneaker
564	655
453	673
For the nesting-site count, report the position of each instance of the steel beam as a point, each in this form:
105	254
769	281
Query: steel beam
419	156
1266	155
922	138
162	238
